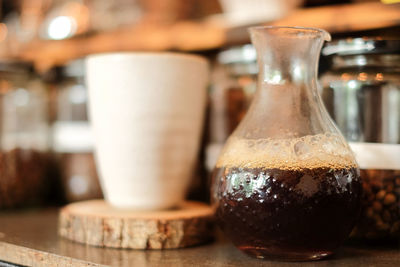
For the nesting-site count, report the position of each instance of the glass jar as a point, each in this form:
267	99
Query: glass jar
233	86
72	138
23	135
240	66
286	185
362	93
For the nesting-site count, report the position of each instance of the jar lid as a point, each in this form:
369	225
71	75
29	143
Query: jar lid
238	54
361	46
74	69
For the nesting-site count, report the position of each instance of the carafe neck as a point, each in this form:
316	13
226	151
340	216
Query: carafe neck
287	56
287	103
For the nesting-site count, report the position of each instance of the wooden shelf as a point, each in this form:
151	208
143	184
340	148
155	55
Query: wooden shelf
207	35
346	18
182	36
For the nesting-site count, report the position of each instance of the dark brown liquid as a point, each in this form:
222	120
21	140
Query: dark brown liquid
287	214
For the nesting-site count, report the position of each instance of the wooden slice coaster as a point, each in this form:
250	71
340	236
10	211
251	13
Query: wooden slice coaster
96	223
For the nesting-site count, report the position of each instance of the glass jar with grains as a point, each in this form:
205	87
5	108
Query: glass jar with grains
362	93
23	135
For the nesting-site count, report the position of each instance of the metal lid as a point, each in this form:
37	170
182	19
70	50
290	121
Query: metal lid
238	54
361	46
74	69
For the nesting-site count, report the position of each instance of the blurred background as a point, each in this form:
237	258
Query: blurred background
45	140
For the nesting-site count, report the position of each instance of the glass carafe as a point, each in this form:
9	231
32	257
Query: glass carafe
286	185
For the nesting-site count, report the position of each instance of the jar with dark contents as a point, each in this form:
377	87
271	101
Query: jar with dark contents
240	66
362	93
286	185
23	135
234	82
72	138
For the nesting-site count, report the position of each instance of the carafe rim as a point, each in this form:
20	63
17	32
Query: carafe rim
326	36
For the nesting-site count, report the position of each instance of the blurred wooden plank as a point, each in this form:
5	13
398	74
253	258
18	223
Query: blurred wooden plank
182	36
342	18
334	19
190	36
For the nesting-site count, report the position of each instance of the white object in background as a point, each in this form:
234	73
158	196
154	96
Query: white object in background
376	155
72	137
240	12
146	112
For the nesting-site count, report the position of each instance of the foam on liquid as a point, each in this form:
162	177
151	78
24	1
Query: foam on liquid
311	151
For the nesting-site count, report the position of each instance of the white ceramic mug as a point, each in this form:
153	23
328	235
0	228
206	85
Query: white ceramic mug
146	112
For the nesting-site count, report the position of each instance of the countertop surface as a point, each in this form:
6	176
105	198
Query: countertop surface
30	238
